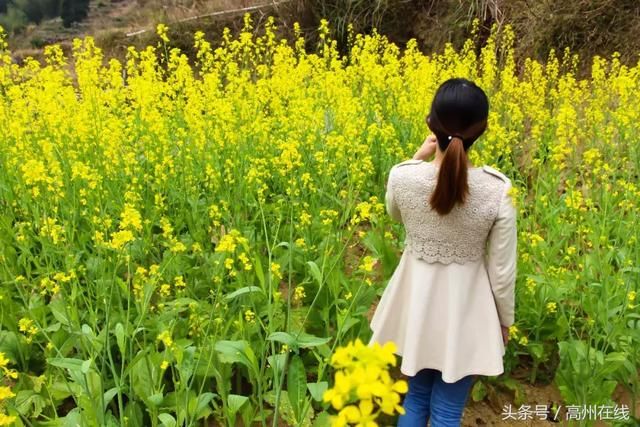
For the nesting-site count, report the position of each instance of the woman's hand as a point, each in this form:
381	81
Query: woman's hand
427	149
505	334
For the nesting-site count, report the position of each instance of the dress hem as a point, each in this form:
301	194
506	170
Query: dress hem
475	373
487	372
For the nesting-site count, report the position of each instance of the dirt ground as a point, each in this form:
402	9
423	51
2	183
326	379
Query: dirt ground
482	414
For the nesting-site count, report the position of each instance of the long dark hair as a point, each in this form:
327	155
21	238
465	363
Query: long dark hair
458	117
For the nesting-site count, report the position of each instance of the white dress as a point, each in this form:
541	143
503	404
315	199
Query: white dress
445	302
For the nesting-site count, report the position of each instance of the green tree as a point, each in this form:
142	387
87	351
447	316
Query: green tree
73	11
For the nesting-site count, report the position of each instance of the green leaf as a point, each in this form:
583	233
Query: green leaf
306	340
58	309
73	419
284	338
55	327
237	352
108	395
322	420
284	406
203	403
167	420
86	329
156	399
243	291
235	402
317	390
86	365
537	350
315	272
258	270
119	331
66	363
347	323
29	403
479	391
516	387
9	345
297	385
142	375
616	357
133	412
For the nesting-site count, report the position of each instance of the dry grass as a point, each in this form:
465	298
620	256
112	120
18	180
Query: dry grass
587	27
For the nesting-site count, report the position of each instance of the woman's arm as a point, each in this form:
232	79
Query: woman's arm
503	258
392	206
427	149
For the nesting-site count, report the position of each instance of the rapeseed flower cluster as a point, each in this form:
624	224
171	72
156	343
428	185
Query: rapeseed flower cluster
6	392
363	387
227	245
28	328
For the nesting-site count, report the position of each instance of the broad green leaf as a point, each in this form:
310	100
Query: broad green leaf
323	419
315	272
66	363
243	291
297	385
284	338
29	403
235	402
303	340
55	327
109	394
156	399
277	362
167	420
203	403
237	352
317	390
537	350
306	340
133	412
58	309
86	365
479	391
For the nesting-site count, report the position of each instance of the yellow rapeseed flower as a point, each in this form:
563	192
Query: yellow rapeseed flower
7	420
161	30
362	375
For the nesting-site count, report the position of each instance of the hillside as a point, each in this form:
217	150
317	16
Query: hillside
126	20
588	28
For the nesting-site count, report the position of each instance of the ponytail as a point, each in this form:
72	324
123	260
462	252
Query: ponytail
458	116
452	186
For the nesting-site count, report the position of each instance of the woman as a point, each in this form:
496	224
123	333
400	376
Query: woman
450	301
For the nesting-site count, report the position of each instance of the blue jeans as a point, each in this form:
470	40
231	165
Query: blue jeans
430	397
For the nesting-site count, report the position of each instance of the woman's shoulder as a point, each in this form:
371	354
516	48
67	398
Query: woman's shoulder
496	174
407	163
404	167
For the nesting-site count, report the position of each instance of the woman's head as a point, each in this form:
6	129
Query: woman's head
458	117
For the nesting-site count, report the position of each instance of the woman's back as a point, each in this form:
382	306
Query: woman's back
459	236
445	302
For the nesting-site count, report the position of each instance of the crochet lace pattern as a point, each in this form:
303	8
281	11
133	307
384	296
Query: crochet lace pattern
459	236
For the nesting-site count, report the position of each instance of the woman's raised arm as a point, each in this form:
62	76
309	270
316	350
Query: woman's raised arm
392	206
